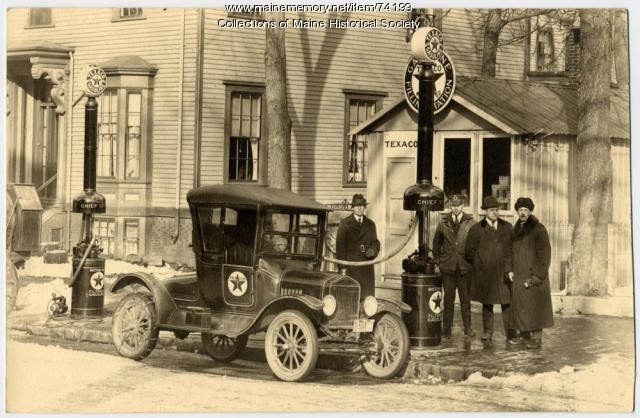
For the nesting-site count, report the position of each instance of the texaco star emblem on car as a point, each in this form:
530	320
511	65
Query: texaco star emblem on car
237	283
97	280
435	302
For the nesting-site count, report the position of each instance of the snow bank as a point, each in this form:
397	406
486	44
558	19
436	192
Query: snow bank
36	267
610	378
34	297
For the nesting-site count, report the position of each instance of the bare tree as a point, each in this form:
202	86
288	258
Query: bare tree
588	266
621	48
494	21
278	123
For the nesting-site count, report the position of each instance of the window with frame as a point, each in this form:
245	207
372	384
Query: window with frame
40	16
132	137
357	110
104	229
107	134
131	237
290	233
496	170
544	50
245	133
125	13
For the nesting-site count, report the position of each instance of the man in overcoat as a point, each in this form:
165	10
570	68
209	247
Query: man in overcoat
357	241
488	250
448	250
530	293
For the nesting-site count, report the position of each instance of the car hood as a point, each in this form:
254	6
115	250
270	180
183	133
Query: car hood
313	283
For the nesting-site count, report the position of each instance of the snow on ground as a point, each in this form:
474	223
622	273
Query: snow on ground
609	378
34	297
36	267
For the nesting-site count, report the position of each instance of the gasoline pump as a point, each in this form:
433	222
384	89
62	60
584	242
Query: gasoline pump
87	281
421	283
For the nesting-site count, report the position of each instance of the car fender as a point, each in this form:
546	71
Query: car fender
392	305
165	306
307	304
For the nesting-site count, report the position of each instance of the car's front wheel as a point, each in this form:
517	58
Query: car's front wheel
389	347
291	346
222	348
135	328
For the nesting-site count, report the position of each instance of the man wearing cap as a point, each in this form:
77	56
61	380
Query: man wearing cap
448	251
357	241
488	250
531	293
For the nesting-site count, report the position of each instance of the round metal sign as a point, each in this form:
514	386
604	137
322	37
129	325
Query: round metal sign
444	86
237	283
94	80
427	45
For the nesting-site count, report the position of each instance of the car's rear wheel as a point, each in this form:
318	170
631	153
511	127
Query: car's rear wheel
222	348
135	327
389	347
291	346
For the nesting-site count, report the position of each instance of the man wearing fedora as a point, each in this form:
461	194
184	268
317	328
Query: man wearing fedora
357	241
530	293
488	250
448	250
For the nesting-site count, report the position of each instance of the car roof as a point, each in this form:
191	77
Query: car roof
253	195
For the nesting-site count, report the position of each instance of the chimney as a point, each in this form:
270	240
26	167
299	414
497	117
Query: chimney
572	61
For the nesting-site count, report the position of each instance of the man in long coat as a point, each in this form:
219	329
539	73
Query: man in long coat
448	250
531	294
357	241
488	250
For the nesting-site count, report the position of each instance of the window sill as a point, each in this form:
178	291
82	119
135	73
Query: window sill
362	185
127	19
109	180
39	26
547	74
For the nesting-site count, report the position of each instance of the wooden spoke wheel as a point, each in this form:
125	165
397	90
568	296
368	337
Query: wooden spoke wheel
135	328
222	348
389	348
291	346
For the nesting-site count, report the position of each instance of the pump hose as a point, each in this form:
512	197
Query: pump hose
380	259
81	264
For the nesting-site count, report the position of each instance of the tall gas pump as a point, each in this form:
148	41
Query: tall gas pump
421	284
87	281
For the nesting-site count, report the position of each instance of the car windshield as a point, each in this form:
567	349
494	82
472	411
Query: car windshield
290	233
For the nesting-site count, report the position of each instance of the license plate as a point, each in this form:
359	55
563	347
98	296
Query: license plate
363	325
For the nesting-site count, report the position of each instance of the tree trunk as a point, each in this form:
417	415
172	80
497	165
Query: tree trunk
278	123
621	48
588	272
494	25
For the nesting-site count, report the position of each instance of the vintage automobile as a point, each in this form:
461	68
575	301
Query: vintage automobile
258	253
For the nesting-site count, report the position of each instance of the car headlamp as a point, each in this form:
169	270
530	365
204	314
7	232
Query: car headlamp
370	306
329	305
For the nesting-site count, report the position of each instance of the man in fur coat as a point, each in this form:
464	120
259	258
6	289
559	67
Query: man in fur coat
531	309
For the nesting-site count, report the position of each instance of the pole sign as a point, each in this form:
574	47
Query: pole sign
427	45
445	84
94	80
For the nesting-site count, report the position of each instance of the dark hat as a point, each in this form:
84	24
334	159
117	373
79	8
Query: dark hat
456	200
490	202
524	202
358	200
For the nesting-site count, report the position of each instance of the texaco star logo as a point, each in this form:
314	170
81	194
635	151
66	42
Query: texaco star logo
435	302
97	280
237	283
444	85
433	45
